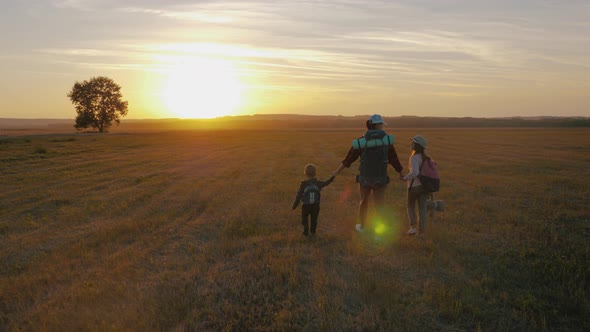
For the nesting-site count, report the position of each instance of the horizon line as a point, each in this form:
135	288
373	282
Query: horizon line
316	115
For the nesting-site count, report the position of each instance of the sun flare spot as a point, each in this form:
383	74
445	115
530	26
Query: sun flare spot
380	228
202	88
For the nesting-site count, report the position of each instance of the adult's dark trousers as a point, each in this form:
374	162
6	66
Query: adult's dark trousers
310	213
378	198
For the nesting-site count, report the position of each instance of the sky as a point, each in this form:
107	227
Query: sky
180	58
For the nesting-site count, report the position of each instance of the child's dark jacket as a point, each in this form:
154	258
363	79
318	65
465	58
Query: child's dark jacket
304	183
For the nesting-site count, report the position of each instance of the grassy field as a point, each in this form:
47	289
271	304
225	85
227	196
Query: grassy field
193	230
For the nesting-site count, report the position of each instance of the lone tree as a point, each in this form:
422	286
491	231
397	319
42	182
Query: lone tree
98	102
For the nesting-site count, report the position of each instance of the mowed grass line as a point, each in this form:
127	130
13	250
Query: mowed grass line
193	230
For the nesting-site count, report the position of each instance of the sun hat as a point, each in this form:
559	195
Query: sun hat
419	139
376	119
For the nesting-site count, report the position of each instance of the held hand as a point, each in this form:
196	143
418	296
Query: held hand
338	170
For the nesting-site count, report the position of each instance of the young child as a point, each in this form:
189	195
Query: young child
309	195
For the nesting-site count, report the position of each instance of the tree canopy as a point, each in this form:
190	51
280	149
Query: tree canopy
98	102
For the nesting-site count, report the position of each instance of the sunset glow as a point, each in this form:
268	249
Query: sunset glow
194	59
201	88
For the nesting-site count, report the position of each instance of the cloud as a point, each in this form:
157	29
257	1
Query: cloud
449	48
194	15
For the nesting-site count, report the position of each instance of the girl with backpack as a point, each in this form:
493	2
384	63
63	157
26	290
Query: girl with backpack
417	194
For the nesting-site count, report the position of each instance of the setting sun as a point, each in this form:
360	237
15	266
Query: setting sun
202	88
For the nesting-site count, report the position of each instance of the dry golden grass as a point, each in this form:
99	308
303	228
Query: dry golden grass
192	230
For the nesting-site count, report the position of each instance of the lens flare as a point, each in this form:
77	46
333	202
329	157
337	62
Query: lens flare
380	227
345	194
385	227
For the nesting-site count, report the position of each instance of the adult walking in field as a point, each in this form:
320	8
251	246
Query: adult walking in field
376	150
416	192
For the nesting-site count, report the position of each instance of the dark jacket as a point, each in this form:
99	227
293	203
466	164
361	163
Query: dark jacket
304	183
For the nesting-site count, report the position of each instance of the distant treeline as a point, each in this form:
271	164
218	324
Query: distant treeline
310	121
294	122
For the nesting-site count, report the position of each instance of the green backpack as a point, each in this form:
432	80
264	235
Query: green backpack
374	146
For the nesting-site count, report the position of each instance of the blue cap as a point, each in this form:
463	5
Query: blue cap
376	119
